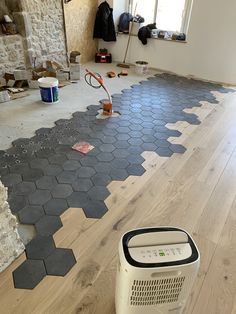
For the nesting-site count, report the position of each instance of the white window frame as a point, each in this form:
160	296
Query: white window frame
186	14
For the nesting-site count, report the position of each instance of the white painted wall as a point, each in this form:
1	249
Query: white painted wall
210	52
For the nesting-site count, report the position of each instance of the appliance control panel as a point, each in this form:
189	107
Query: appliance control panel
161	253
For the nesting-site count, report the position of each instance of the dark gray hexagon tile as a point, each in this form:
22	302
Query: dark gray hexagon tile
61	191
135	141
176	148
120	153
66	177
60	262
71	165
78	199
24	188
108	139
40	247
164	152
121	144
135	170
39	197
135	159
56	207
106	148
39	163
46	183
32	175
29	274
105	157
16	202
20	168
48	225
95	209
101	179
52	170
98	193
58	159
162	143
120	163
85	172
103	167
30	214
136	127
149	147
122	137
11	179
119	174
88	161
74	155
82	185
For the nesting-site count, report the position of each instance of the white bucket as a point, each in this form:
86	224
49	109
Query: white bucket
141	67
49	90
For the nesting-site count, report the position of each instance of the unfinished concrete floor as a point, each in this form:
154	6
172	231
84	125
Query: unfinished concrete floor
20	118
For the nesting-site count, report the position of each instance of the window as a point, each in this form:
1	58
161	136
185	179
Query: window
169	15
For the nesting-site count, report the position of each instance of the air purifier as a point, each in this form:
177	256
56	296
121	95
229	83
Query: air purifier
156	271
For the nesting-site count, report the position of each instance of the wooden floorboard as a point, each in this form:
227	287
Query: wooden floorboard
195	191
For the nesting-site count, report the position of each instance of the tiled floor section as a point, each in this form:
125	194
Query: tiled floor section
45	176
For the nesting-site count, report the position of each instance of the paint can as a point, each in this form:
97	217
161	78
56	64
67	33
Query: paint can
49	89
141	67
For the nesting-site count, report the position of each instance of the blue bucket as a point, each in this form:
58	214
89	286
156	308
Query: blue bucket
49	90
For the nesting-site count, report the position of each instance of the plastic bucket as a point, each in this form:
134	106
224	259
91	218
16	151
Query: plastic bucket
49	89
141	67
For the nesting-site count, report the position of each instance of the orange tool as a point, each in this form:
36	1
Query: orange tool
107	104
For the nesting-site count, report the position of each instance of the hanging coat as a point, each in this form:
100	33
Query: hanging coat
104	24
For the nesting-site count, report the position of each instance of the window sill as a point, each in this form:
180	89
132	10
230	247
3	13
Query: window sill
163	39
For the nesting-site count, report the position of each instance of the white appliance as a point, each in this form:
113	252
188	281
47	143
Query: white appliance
156	271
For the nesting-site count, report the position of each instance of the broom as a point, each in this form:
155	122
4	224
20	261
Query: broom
123	64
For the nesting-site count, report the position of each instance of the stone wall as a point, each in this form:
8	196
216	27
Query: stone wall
10	244
45	34
79	19
41	26
11	53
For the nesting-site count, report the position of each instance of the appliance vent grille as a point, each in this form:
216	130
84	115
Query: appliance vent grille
153	292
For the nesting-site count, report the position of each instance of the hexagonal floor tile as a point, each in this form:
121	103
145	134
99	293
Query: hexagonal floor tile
95	209
82	185
78	199
48	225
98	193
101	179
39	197
16	202
40	247
60	262
11	179
46	183
24	188
30	214
135	170
52	170
85	172
55	207
39	163
66	177
32	175
29	274
61	191
71	165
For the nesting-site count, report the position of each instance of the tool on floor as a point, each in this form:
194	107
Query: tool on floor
124	64
123	73
111	74
106	103
156	271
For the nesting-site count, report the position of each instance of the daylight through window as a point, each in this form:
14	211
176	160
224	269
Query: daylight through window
169	15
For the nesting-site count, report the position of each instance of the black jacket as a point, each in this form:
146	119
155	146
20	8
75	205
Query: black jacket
104	24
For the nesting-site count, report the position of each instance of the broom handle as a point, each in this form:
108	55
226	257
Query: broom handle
131	28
